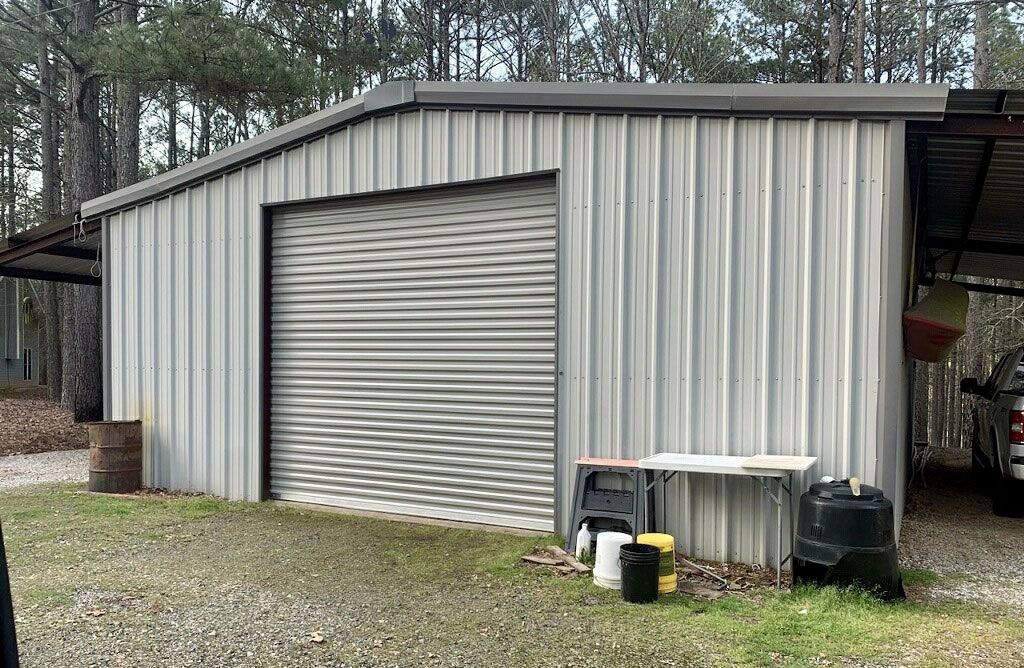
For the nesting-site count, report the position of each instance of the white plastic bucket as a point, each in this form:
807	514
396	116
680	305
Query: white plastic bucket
607	572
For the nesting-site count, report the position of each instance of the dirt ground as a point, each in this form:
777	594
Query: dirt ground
29	423
949	529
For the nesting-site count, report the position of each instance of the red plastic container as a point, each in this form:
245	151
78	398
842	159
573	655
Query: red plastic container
932	326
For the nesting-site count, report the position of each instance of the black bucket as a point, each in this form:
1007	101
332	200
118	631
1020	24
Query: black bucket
639	565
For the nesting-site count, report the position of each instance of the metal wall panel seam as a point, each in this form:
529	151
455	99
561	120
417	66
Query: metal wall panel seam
807	278
618	277
106	322
655	364
850	297
559	492
588	370
685	427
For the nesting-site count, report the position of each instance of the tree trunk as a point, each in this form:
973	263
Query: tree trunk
81	330
6	224
4	232
172	126
60	185
12	189
836	39
858	42
920	401
922	39
49	204
982	44
43	375
54	355
128	115
50	372
203	149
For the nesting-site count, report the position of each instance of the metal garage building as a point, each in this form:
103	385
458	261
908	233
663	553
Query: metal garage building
432	298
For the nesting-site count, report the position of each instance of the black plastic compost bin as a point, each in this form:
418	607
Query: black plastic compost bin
843	539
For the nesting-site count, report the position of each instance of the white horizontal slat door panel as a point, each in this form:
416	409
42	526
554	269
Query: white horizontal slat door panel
413	353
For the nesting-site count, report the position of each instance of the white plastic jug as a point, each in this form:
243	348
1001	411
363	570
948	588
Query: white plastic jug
607	572
583	539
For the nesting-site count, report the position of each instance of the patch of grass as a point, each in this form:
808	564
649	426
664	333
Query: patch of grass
49	596
811	626
449	585
919	577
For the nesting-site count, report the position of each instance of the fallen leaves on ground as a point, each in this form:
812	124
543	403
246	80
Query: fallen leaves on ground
29	424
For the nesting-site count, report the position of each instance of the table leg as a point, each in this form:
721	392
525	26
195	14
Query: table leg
664	503
792	529
778	552
776	498
651	481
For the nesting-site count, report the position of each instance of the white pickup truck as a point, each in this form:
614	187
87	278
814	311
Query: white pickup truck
997	448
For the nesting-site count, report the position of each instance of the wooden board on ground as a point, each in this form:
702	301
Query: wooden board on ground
568	559
541	561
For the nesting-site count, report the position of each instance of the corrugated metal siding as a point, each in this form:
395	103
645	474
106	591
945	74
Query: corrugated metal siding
726	287
413	354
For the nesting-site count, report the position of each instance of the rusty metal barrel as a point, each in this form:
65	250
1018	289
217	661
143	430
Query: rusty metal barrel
115	456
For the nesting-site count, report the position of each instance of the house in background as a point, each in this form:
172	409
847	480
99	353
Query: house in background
19	335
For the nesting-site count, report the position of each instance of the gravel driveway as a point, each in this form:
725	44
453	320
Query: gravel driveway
949	528
65	466
157	580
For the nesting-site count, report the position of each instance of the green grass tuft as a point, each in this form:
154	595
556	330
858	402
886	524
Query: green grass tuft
920	577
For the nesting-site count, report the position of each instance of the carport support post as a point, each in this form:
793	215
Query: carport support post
8	640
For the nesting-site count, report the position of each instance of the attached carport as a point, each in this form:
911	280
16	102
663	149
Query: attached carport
64	250
967	189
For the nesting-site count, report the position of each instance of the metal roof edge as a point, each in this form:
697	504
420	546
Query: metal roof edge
601	95
226	159
895	101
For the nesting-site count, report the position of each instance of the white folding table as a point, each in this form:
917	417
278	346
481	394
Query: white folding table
762	468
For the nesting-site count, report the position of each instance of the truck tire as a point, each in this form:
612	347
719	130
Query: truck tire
1007	497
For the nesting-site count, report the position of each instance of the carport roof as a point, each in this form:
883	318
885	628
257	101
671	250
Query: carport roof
62	250
967	177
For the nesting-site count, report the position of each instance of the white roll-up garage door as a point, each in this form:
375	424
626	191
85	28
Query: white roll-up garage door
413	353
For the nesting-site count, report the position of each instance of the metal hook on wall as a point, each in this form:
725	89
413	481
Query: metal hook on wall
81	227
96	270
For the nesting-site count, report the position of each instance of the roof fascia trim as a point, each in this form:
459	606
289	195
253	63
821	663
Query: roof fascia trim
891	101
226	159
882	101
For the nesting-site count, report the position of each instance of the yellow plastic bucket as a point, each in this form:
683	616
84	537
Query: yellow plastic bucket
667	580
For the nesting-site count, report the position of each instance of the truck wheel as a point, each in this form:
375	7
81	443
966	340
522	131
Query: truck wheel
1007	497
